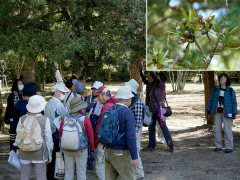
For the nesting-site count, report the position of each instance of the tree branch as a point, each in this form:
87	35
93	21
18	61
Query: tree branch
199	48
175	61
210	40
219	36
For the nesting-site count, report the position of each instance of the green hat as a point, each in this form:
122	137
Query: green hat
77	104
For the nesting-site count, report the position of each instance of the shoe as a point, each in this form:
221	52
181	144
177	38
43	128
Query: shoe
171	149
149	148
217	149
90	167
228	150
162	141
139	177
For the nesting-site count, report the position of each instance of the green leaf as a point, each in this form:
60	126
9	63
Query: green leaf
187	50
216	27
234	29
165	54
192	17
185	15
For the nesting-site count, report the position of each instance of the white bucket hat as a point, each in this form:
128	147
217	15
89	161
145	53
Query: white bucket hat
133	85
60	86
124	92
97	84
36	104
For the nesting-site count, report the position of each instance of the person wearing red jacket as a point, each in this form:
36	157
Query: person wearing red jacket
104	97
77	106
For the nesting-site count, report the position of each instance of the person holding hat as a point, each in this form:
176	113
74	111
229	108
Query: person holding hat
137	109
77	106
55	111
119	162
38	158
76	89
92	101
103	95
223	105
157	92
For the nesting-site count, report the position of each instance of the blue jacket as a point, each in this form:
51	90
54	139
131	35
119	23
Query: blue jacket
127	125
20	109
230	102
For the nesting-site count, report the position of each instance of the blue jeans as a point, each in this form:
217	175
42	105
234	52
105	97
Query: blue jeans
152	129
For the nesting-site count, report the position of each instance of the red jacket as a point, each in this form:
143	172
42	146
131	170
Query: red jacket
109	103
89	130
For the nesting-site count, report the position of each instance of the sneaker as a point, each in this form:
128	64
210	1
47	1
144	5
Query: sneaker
171	149
162	141
90	167
217	149
228	150
149	148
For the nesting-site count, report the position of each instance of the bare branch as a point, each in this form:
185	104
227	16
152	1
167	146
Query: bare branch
218	39
210	40
175	61
200	48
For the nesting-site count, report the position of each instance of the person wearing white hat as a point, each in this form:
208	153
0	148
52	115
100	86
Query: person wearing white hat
56	111
119	163
38	158
92	101
137	109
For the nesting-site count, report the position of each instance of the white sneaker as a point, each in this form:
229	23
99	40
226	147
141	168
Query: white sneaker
162	141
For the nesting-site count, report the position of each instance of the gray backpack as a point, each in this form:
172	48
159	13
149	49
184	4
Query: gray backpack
73	137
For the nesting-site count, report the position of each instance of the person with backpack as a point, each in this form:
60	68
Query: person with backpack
76	135
89	111
157	97
13	98
137	108
76	89
55	111
34	138
20	108
121	155
103	94
223	105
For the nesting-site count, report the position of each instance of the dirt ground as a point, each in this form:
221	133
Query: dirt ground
193	158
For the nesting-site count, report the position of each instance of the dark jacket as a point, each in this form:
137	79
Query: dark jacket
127	125
20	109
230	102
10	108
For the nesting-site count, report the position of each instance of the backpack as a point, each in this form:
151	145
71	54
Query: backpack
73	137
108	130
29	135
147	117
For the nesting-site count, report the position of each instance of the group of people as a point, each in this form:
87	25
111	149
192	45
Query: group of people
26	112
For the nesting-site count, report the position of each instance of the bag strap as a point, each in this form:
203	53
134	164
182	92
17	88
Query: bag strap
68	96
165	99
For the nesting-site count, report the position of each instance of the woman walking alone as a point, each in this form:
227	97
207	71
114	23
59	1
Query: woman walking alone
223	105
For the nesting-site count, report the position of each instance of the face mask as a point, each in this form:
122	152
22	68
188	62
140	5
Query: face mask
62	97
20	87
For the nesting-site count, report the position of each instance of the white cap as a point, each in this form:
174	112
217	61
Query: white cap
36	104
60	86
133	85
124	92
97	84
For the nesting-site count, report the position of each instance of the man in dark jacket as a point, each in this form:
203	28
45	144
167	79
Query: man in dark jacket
119	163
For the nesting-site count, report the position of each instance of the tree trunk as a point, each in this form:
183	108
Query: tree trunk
209	84
178	79
29	76
1	112
134	74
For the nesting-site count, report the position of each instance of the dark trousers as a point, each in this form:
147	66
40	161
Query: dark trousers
51	165
12	133
152	132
